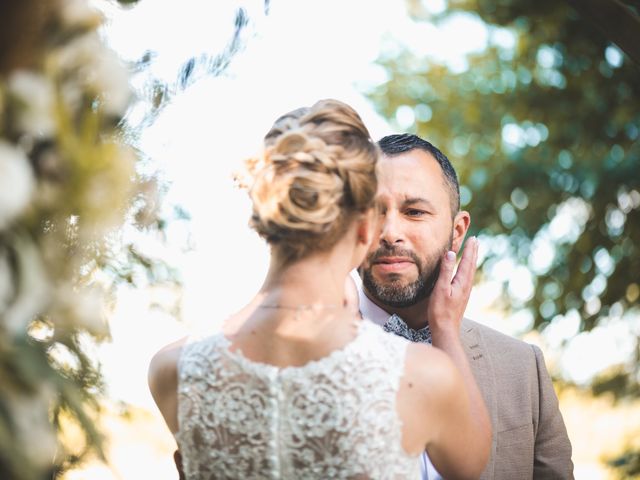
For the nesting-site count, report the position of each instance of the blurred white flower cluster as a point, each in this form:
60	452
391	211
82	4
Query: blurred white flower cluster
67	182
16	183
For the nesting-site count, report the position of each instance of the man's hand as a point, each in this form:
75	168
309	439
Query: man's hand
451	293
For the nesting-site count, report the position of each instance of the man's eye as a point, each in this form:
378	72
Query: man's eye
414	213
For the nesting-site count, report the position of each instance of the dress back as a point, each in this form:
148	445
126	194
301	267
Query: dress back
333	418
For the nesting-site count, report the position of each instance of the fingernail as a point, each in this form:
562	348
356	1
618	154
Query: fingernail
451	255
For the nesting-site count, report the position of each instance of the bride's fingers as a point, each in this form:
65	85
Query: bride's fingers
467	267
475	256
473	267
446	272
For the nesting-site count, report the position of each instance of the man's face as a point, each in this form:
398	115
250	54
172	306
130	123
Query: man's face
414	199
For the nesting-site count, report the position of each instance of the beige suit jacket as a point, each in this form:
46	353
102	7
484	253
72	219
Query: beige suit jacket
529	436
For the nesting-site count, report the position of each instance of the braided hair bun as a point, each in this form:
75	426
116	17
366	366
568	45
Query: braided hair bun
317	173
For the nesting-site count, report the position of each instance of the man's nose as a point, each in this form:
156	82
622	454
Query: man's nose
391	229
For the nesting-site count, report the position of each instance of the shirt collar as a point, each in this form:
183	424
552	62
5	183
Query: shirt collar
391	323
368	309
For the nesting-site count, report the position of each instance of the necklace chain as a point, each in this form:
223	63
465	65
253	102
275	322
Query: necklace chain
300	307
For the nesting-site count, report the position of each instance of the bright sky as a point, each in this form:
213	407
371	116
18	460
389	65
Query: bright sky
301	52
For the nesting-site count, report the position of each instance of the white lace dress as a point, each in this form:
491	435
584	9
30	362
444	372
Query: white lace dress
334	418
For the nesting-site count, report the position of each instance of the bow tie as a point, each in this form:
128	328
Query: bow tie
396	325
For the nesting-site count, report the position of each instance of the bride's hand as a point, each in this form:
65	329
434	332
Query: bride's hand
451	293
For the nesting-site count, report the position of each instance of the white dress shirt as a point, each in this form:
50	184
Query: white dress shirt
377	315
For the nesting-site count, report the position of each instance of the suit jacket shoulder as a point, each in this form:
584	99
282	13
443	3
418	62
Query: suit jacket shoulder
529	436
496	339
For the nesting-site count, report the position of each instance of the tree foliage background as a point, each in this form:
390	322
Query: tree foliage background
543	128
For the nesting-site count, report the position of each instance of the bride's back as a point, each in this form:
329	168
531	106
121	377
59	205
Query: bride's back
335	417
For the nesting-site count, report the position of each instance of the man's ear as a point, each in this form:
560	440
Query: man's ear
365	228
365	234
461	223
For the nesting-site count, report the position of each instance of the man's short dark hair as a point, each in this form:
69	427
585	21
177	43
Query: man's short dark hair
396	144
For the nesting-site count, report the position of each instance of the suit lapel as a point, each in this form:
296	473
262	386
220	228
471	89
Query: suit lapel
482	369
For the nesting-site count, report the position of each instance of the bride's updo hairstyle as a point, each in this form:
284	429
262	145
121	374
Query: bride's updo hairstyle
316	175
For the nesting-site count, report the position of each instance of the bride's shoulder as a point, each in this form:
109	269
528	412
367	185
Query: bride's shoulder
431	370
429	386
163	381
163	368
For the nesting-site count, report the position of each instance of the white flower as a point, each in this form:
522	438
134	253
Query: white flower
32	288
113	82
35	94
147	206
90	311
96	69
82	308
6	281
16	183
79	12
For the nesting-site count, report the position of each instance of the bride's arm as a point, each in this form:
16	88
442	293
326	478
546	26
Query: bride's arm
163	382
446	309
443	415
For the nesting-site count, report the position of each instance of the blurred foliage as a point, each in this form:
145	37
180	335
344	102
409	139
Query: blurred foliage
80	213
543	127
68	183
627	465
157	94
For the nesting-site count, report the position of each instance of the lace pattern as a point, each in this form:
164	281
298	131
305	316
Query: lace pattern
331	418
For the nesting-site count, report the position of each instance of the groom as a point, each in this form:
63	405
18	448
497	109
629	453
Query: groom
420	204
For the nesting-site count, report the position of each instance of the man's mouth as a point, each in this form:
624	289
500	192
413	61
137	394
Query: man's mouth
392	264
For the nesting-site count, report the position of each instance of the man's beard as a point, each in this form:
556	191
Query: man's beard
394	293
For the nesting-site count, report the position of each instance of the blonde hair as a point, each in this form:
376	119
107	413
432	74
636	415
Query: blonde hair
317	173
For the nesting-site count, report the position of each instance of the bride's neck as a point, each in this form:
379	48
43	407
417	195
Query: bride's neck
314	280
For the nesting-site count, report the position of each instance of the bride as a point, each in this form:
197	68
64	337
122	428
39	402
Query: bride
297	385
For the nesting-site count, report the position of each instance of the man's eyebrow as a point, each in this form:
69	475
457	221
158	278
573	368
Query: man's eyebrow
413	200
